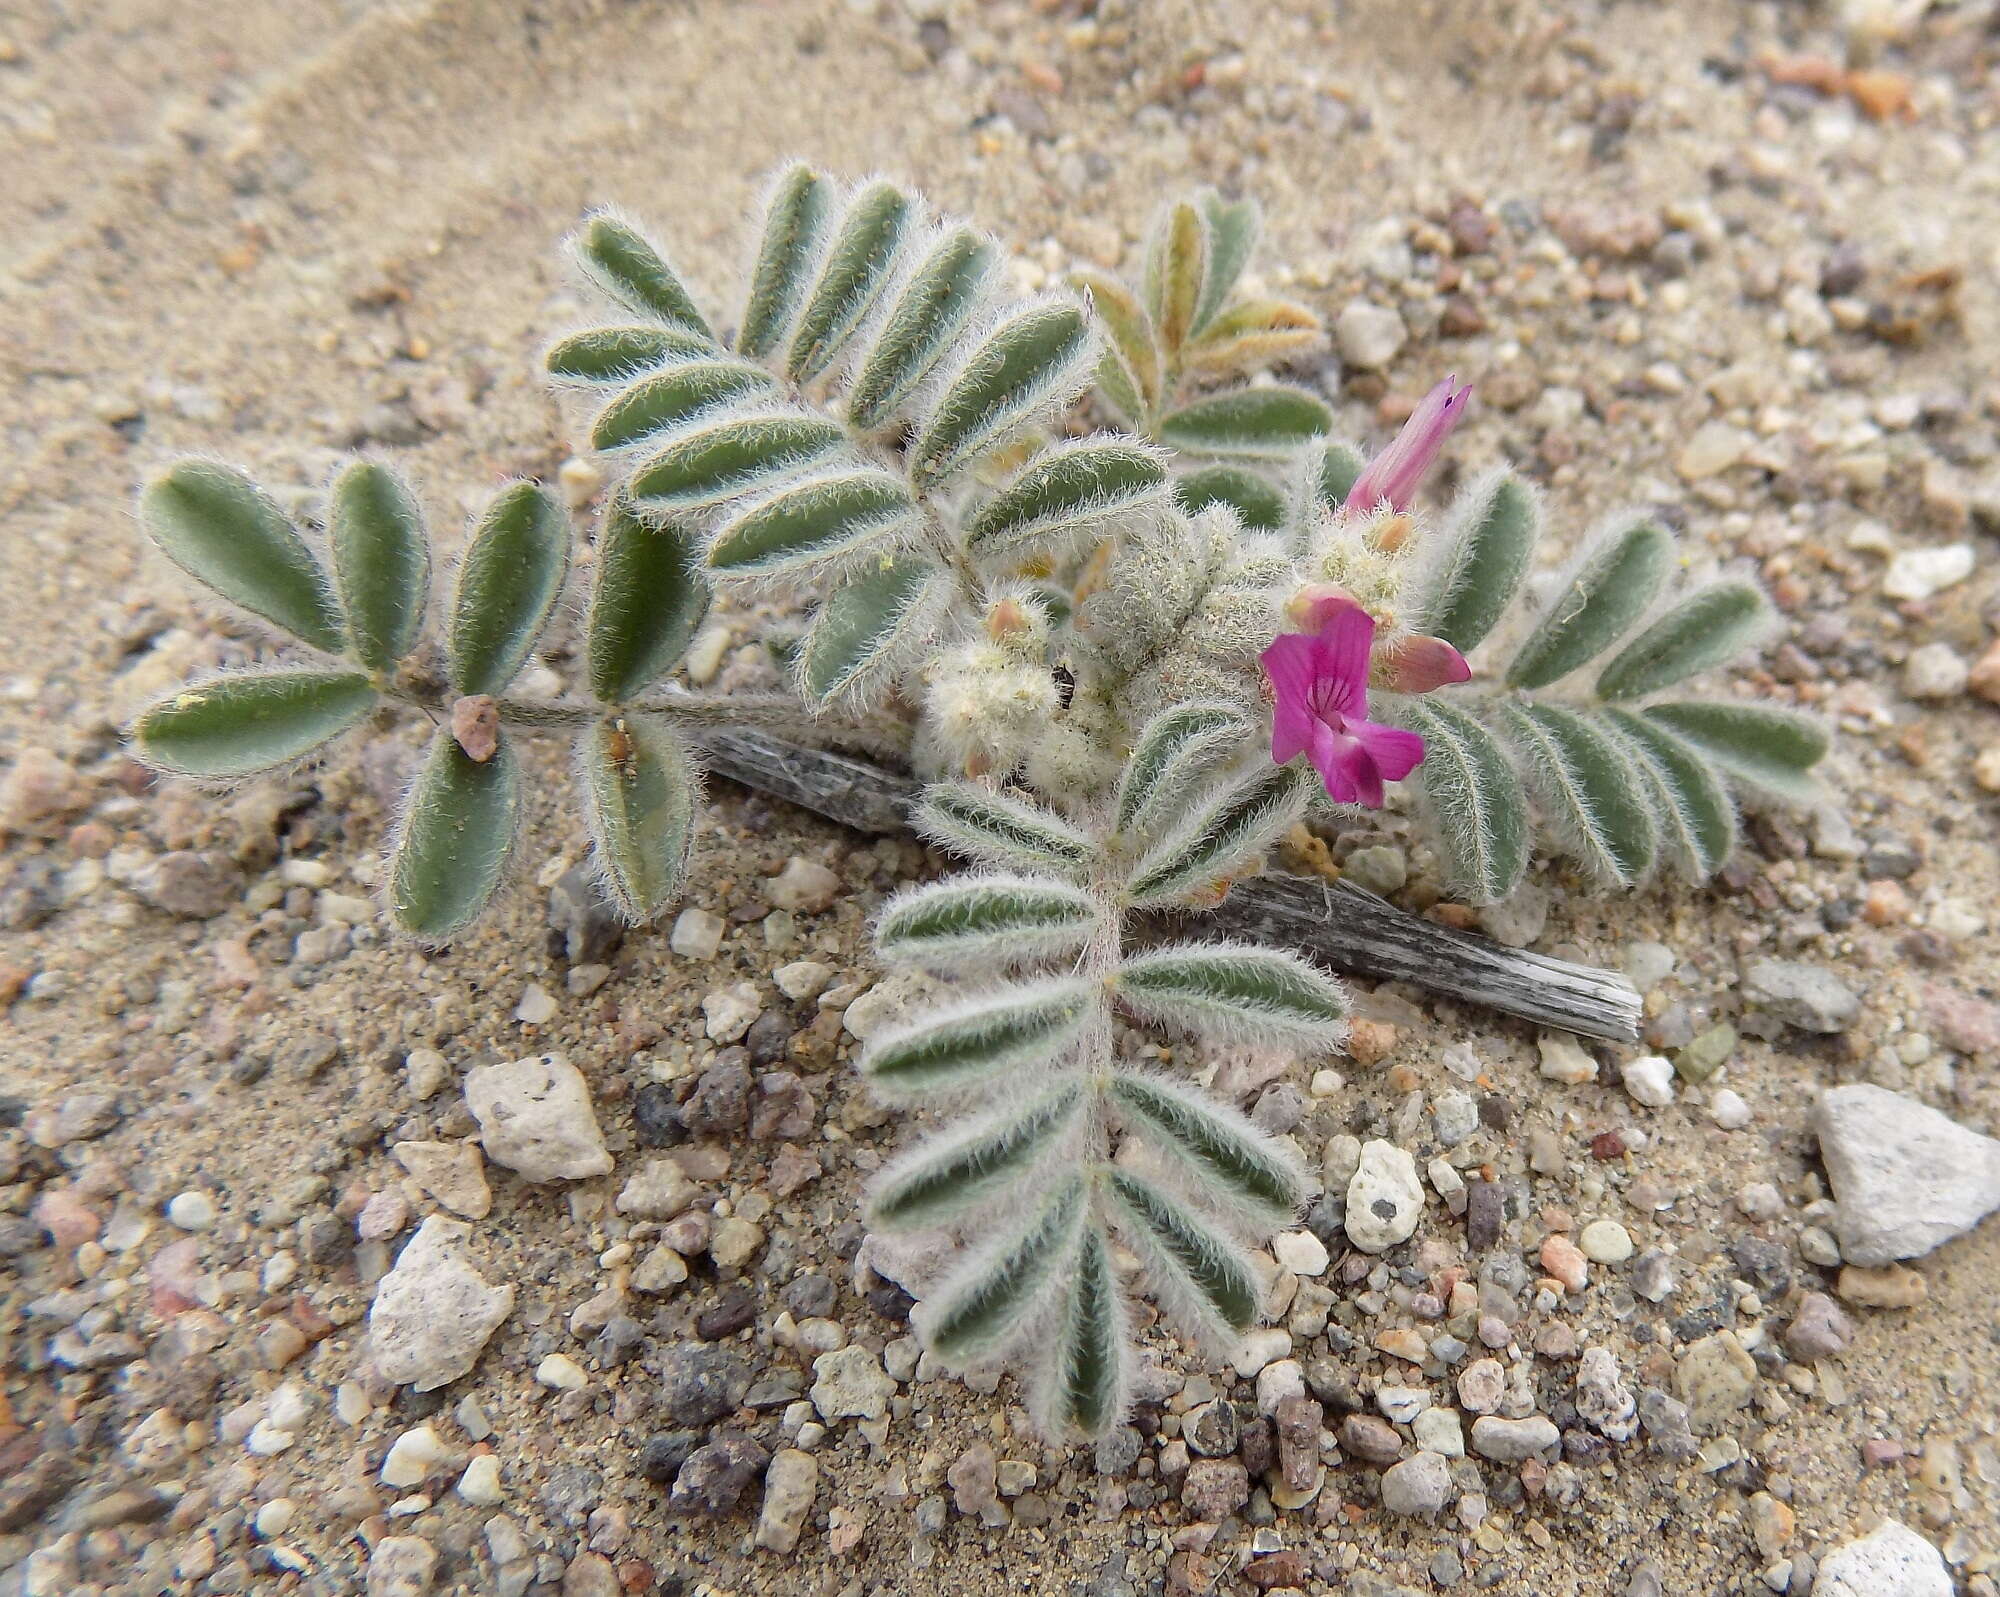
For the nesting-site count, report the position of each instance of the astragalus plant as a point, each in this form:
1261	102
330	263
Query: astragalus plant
1105	650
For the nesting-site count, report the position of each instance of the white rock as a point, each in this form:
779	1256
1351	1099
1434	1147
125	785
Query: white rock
1728	1109
1605	1242
731	1011
1278	1380
412	1456
697	934
450	1172
790	1484
1439	1430
850	1383
1935	671
1300	1252
1420	1485
480	1484
659	1191
535	1118
537	1006
802	886
1260	1347
1919	573
192	1211
433	1312
1713	447
1891	1561
1369	335
802	979
425	1071
1385	1199
1905	1177
1649	1080
561	1373
1564	1060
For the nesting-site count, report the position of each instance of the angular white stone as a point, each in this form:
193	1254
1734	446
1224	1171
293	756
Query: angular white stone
433	1312
1649	1080
1300	1252
1905	1177
1891	1561
1385	1199
535	1118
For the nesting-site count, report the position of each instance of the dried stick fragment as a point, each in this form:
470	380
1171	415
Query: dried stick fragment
1350	929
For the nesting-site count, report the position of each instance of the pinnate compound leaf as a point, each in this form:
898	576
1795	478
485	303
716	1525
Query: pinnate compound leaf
614	356
870	629
641	791
229	535
1174	749
713	461
1710	627
1612	586
985	1302
1236	993
1691	800
1478	811
381	562
858	264
1258	505
1030	365
1084	1389
974	1044
1471	578
628	267
508	582
647	599
972	1162
966	922
236	726
1232	237
795	223
1069	489
817	518
1205	1278
675	396
931	308
457	831
1130	371
1769	750
1590	793
1001	830
1176	272
1227	1159
1228	830
1270	421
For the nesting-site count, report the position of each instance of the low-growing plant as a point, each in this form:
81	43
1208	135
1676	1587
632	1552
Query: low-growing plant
1104	651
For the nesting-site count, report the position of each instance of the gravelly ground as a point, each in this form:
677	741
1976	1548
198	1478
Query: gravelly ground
279	232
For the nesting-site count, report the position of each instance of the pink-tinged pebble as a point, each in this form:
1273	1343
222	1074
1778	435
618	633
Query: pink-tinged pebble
1970	1025
1879	1453
382	1216
171	1276
68	1223
1563	1260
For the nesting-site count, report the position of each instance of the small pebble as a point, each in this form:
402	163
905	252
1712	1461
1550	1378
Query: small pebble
192	1211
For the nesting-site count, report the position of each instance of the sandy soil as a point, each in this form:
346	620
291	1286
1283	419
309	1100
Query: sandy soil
275	232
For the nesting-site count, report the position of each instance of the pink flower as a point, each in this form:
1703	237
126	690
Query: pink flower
1391	478
1320	679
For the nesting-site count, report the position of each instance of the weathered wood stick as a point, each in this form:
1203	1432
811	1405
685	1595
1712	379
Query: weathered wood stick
1349	928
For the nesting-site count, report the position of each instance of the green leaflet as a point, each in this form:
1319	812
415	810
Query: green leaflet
1479	813
999	829
508	582
1176	268
1613	586
237	726
1174	748
1226	1156
1769	750
1232	237
794	221
972	1163
1258	505
985	920
1065	490
1588	790
932	308
713	461
615	356
619	259
229	535
1000	1034
640	792
987	1301
381	562
1031	363
1251	334
866	630
1328	470
1468	585
646	601
457	831
669	398
816	519
1226	831
1697	819
1235	991
1130	370
1197	1267
1086	1384
857	267
1708	628
1268	421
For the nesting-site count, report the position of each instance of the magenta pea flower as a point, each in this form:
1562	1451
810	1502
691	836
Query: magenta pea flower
1320	679
1391	478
